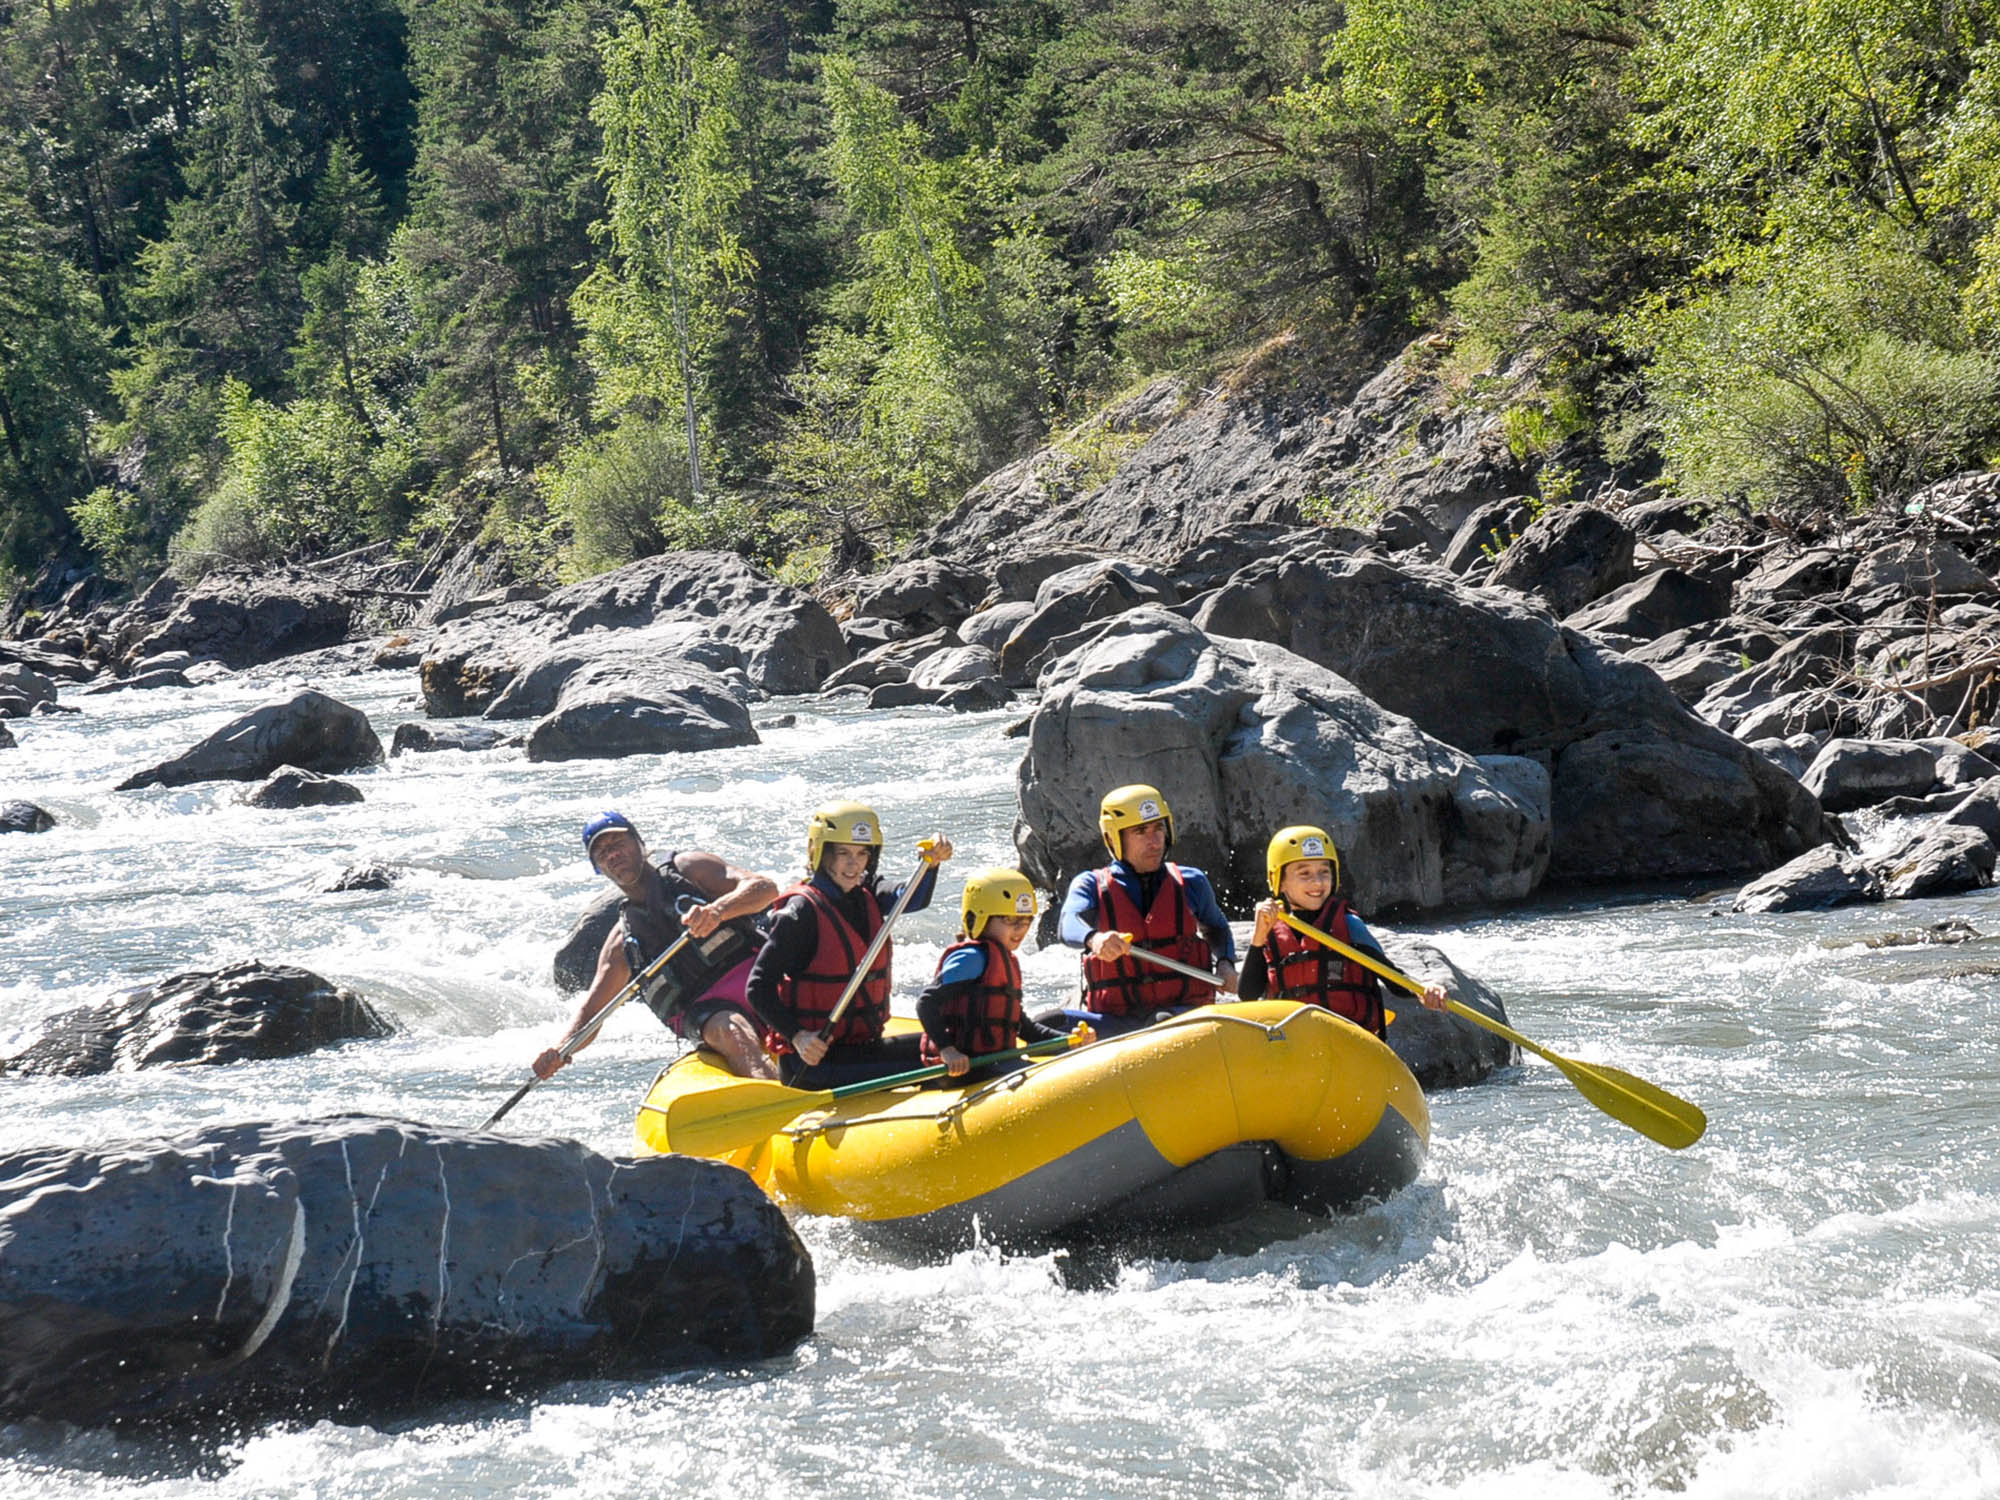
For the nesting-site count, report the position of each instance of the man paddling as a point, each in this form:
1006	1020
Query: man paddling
1168	908
700	994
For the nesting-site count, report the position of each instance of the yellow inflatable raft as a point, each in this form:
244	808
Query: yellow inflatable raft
1196	1120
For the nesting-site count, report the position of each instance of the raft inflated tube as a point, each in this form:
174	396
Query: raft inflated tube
1055	1144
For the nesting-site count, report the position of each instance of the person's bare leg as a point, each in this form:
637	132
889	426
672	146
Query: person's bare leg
730	1033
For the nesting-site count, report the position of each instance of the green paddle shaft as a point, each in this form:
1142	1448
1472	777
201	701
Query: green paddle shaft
718	1121
1630	1100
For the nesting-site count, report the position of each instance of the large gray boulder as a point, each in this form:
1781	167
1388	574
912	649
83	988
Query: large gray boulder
416	738
1244	738
1641	787
1658	604
1569	555
308	730
891	661
289	788
1818	879
991	626
925	592
243	619
1488	532
242	1013
1441	1050
1072	599
23	690
1919	566
641	708
710	608
1847	774
575	963
361	1268
1949	858
25	817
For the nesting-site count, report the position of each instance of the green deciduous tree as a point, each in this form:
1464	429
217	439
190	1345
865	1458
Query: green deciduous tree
671	114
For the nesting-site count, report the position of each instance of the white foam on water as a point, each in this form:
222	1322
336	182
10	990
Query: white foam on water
1802	1304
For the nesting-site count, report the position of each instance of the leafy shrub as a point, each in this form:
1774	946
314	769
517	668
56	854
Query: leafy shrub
1833	378
301	478
613	490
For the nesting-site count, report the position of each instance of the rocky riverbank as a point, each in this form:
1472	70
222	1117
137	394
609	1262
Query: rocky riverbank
1478	692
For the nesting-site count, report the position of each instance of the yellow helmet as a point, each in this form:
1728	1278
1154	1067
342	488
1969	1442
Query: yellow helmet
1128	807
995	893
841	823
1290	845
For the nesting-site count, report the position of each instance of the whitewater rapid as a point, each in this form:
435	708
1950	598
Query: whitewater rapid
1806	1303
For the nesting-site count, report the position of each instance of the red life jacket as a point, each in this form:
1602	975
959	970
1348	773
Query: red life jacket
1297	968
986	1016
1128	986
837	953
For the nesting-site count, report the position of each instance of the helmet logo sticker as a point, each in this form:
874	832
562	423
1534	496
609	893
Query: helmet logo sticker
861	833
1024	905
1314	848
1149	809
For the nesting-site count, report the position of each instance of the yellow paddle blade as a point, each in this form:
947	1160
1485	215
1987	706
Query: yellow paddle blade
718	1121
1646	1107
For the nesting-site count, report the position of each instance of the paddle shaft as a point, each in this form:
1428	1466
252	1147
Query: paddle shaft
1645	1107
702	1129
567	1047
875	946
1171	963
938	1070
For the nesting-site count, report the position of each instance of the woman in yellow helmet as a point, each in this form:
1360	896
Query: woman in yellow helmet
819	932
972	1007
1304	873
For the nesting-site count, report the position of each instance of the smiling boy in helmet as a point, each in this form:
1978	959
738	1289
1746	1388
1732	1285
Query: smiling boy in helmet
818	935
1303	868
1166	907
972	1007
700	995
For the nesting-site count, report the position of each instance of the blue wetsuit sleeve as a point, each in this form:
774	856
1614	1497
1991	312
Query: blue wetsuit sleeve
886	894
1359	935
963	966
1208	912
1079	910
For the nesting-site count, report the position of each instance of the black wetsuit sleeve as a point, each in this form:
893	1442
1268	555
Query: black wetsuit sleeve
1253	978
787	952
930	1010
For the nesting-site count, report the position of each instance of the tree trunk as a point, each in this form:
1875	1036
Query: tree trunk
686	358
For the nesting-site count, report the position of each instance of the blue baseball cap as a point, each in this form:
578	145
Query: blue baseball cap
606	822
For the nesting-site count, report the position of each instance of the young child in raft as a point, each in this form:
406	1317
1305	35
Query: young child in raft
1285	964
973	1005
822	928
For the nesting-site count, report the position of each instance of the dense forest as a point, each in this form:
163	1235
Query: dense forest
597	277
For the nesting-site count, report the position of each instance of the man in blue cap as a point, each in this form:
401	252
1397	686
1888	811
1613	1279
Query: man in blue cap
700	992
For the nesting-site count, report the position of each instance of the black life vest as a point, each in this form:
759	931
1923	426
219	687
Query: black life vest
653	925
986	1015
1298	968
837	951
1130	986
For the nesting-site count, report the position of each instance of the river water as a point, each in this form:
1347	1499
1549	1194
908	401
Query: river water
1807	1303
